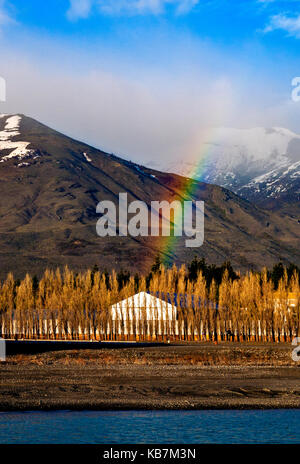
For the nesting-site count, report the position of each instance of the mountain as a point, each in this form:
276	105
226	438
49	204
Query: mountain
50	185
262	165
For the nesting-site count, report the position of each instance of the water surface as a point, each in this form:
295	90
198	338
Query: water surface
118	427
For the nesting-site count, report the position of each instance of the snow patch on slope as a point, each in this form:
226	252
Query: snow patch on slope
88	159
18	149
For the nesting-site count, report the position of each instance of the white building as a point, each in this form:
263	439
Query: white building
144	314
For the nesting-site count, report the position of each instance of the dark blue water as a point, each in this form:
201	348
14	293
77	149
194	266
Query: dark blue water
102	427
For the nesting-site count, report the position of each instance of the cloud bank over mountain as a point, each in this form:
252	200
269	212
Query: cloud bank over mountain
147	86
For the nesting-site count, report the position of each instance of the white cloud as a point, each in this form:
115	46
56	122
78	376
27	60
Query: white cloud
127	102
79	9
5	18
82	8
186	5
277	1
145	6
144	117
289	24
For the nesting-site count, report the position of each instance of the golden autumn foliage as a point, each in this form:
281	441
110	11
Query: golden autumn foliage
65	305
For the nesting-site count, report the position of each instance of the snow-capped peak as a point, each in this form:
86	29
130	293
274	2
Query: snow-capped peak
230	146
243	159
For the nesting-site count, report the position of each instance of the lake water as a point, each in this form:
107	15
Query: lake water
160	427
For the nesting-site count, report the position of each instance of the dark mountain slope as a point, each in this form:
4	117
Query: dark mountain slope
48	197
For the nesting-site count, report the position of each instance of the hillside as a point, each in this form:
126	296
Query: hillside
50	185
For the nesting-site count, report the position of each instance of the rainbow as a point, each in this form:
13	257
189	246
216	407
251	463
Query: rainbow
186	192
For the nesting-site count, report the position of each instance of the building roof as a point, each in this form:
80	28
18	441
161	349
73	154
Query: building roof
156	308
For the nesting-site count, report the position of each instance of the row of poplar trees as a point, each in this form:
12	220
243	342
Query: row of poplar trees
65	305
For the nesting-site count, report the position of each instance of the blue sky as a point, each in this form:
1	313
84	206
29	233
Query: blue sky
226	22
144	77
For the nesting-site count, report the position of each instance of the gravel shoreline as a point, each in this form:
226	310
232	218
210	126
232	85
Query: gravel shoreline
173	377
